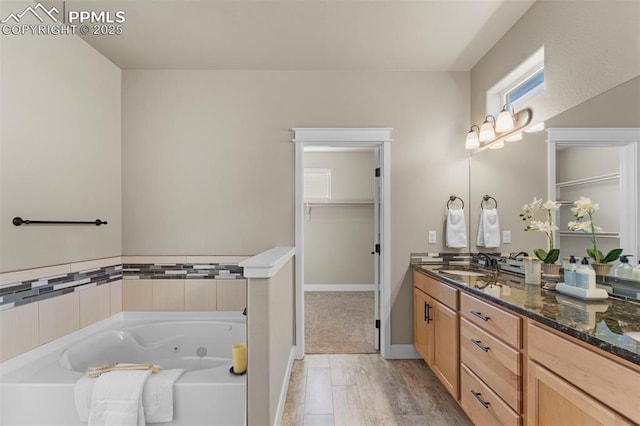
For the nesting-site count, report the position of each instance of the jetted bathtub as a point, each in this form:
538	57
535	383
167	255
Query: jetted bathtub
36	388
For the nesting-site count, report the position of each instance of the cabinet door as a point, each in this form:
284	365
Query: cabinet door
422	325
553	401
446	358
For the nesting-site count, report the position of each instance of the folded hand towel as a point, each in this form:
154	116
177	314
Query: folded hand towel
456	229
117	399
488	229
157	396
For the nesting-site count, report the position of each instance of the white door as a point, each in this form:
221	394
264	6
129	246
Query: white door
377	240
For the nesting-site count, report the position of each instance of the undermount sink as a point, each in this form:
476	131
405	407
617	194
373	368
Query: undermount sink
463	273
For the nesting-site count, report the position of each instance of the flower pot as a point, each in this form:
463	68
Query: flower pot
551	269
601	269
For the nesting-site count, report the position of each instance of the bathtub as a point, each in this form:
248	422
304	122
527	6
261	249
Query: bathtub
36	388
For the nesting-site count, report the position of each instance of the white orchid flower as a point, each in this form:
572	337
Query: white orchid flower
551	205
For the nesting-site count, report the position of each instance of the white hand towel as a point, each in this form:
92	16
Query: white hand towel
157	396
488	229
456	229
117	398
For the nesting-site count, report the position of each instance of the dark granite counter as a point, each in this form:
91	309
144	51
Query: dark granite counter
612	325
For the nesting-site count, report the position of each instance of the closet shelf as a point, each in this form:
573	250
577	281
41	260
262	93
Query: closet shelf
588	180
584	234
353	203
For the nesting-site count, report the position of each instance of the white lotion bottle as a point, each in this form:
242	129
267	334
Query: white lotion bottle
570	272
623	270
585	275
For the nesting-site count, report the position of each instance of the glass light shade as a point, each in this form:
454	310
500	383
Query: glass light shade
472	141
535	128
504	122
497	145
515	137
487	132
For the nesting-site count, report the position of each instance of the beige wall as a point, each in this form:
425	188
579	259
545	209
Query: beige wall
591	49
339	240
208	162
60	145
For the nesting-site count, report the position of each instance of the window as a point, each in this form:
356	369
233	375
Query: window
317	184
526	89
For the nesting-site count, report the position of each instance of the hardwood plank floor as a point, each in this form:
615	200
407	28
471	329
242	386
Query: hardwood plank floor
366	390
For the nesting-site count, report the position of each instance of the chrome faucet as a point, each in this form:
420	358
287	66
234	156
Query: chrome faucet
492	263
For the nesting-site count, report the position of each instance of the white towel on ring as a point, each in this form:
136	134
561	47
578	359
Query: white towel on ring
488	229
456	229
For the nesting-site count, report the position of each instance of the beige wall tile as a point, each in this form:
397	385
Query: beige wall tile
115	295
58	316
217	259
18	330
232	295
32	274
97	263
168	295
95	304
200	295
137	295
154	259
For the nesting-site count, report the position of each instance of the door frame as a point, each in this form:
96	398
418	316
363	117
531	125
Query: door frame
344	137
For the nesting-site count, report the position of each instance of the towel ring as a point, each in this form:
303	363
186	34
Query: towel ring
487	198
452	199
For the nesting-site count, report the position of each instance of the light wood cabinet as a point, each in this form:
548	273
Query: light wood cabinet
554	401
436	329
482	405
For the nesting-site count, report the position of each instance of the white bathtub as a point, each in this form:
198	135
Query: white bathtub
36	388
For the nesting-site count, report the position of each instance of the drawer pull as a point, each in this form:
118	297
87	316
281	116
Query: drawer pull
478	396
479	315
479	344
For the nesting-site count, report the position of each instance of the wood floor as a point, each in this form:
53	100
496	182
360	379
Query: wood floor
364	389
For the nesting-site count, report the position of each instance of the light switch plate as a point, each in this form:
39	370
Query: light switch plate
432	237
506	237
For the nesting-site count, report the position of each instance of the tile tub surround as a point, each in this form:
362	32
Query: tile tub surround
156	271
607	324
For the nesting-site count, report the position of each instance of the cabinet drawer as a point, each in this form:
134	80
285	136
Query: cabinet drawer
482	405
607	381
497	364
496	321
436	289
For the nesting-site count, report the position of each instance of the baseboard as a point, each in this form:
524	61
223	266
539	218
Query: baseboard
403	352
339	287
285	387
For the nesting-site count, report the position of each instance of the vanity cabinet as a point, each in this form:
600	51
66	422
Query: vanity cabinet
572	385
436	329
491	362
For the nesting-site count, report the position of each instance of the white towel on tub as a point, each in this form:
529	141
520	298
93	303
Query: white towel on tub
117	399
157	396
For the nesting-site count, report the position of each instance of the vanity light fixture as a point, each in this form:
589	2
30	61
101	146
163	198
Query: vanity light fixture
504	122
472	141
487	130
479	139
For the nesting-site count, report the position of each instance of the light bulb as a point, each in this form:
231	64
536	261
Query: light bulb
504	122
487	131
472	141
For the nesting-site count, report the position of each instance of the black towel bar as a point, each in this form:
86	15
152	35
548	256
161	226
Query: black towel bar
487	198
452	198
17	221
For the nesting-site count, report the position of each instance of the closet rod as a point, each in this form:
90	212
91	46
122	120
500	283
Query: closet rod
584	181
17	221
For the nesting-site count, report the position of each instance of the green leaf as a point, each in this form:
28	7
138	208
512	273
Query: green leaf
541	254
591	253
612	255
552	256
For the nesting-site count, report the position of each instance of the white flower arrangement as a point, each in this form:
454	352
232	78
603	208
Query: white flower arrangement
583	213
528	211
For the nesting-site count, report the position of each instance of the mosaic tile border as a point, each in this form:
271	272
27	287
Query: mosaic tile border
22	293
162	271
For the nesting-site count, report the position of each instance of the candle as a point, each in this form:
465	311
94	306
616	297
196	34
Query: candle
239	352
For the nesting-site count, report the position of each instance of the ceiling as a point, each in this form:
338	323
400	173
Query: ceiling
431	35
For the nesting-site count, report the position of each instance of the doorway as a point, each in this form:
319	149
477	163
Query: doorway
368	142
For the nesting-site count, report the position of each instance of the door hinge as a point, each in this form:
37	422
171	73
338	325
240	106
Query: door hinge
377	323
378	248
378	172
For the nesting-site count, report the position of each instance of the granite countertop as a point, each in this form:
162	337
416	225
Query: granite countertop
612	325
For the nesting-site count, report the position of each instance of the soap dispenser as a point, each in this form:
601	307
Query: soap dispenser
585	275
623	270
570	272
635	274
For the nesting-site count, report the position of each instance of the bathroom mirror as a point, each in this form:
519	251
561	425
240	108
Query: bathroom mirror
516	173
